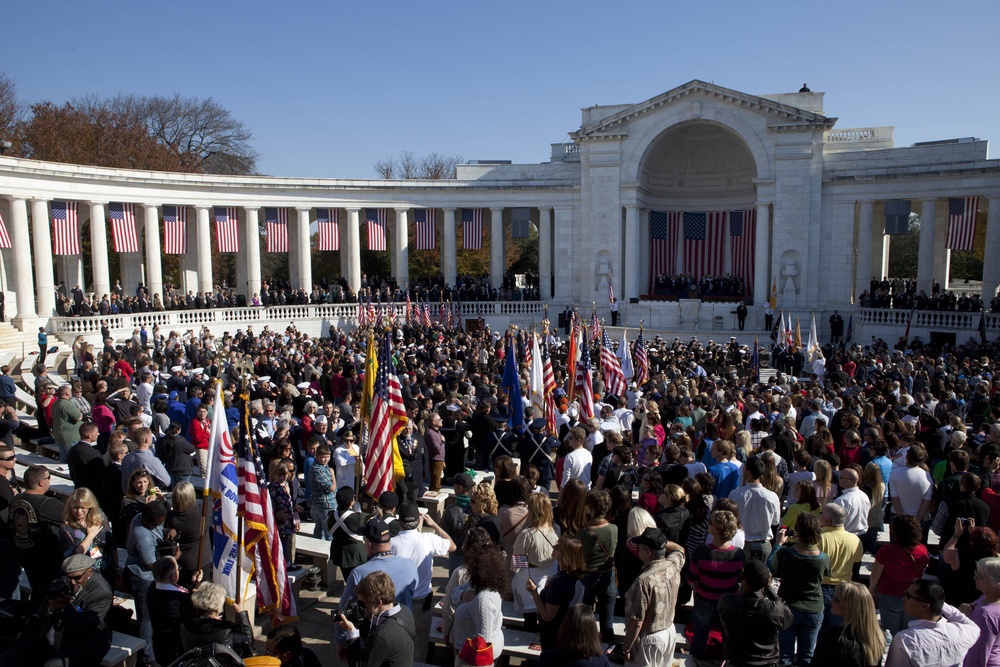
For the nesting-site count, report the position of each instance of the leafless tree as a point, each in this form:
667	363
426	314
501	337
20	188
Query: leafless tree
408	166
11	109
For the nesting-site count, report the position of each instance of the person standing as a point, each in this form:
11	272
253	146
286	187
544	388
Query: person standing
741	315
43	345
714	570
614	312
844	550
768	317
66	419
836	327
855	502
35	519
752	619
759	511
434	443
320	482
651	600
941	635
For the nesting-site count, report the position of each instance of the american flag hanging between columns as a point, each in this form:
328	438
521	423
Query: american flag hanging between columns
376	220
174	230
328	224
4	236
742	241
65	228
123	233
472	228
227	229
426	219
276	225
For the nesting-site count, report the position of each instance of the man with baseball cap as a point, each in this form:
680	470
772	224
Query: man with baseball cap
650	601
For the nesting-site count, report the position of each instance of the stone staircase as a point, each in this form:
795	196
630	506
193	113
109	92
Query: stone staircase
16	346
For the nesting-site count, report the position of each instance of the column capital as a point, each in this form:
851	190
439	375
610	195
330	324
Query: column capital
401	209
203	207
353	209
928	200
631	206
156	206
304	209
496	208
248	209
758	204
40	199
98	203
14	198
544	208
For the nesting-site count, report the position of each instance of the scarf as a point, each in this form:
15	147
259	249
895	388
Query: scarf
462	500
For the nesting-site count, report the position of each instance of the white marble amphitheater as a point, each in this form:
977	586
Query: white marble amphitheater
817	193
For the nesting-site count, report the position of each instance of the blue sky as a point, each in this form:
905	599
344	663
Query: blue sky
328	88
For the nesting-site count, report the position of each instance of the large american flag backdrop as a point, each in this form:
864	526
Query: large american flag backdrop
742	242
174	230
426	219
376	219
704	236
227	228
664	228
4	236
472	228
328	224
65	228
387	420
962	222
123	233
276	224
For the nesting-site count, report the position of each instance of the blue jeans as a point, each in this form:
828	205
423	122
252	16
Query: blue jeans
139	588
890	609
318	515
602	586
703	616
829	618
803	631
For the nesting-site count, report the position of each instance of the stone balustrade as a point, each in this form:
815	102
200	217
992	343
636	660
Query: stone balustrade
933	319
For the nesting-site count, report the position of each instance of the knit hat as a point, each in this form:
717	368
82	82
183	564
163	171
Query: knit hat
476	651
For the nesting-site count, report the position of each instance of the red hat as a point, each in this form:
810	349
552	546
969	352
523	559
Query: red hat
476	651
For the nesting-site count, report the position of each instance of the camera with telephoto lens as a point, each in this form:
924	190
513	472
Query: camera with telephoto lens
61	587
166	547
353	611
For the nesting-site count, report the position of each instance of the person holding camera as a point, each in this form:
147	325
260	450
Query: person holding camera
144	537
73	629
209	627
379	631
752	619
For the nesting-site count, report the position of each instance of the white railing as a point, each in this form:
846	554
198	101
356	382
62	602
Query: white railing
342	311
565	152
861	135
934	319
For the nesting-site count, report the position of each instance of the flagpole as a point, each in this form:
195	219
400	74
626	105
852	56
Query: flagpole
207	489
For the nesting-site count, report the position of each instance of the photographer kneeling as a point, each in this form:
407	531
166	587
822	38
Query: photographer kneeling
386	631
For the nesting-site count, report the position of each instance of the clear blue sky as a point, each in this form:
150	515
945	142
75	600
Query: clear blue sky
328	88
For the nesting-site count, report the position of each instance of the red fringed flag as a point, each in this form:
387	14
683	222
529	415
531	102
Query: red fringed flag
572	354
409	308
614	379
426	219
549	387
663	231
595	326
174	230
65	228
4	237
387	420
962	222
276	224
585	381
260	535
742	242
123	234
641	361
704	235
362	313
227	228
472	228
376	221
426	314
328	223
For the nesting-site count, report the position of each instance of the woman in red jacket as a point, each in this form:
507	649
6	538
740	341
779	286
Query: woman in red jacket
199	434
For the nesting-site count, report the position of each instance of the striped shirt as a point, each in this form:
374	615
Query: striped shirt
714	571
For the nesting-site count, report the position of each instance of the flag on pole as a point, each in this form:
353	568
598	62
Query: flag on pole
962	222
790	334
368	382
982	327
813	345
227	229
65	228
704	235
123	234
174	230
585	380
4	236
511	383
663	231
641	361
625	357
755	362
614	378
572	354
611	289
276	225
850	328
909	321
426	219
782	339
387	420
375	219
774	294
472	228
595	325
274	593
409	308
742	243
549	387
328	226
231	568
536	378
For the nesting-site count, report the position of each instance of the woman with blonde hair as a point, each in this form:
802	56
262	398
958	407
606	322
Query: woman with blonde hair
771	480
873	486
859	642
483	503
534	544
744	445
85	530
675	519
826	491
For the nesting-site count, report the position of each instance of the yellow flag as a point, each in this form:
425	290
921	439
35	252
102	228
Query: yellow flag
798	335
368	390
774	294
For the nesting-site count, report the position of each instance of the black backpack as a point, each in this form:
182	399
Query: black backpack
624	476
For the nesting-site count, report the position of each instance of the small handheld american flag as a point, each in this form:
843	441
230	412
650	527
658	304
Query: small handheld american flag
519	561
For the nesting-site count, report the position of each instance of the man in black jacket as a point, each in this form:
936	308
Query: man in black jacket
169	606
86	464
752	619
387	635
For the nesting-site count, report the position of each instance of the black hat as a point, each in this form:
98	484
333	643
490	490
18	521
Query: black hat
345	495
409	511
538	424
465	480
652	538
388	500
377	532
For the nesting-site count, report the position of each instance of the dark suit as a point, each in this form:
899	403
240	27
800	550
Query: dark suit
168	609
86	467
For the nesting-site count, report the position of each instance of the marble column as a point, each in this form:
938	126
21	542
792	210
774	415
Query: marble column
204	241
352	246
44	279
449	259
292	256
883	266
154	267
545	252
496	247
991	268
762	254
633	239
24	283
401	247
863	262
252	252
925	256
99	249
305	254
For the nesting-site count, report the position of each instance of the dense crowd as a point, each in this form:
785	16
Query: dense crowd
681	286
745	508
903	295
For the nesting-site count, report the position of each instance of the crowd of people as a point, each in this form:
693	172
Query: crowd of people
902	294
679	500
709	287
